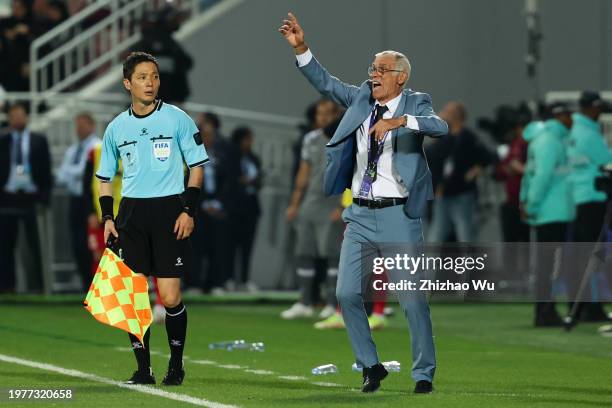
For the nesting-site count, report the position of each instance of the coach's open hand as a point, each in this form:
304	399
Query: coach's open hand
381	127
183	227
294	34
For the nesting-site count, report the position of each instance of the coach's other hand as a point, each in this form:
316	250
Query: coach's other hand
109	228
381	127
183	227
294	34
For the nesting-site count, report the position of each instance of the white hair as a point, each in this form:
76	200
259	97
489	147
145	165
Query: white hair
401	62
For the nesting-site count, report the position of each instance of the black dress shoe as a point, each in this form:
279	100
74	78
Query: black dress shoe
423	387
174	376
372	376
141	377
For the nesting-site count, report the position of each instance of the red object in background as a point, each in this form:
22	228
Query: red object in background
512	181
158	300
95	238
379	307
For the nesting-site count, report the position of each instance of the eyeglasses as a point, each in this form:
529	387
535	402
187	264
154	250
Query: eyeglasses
381	70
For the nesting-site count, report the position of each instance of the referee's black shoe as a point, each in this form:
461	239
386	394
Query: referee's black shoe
423	387
372	377
174	376
142	377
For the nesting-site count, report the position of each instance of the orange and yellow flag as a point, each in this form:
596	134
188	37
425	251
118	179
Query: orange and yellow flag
119	297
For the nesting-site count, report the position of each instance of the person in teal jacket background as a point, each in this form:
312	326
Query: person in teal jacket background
587	152
531	131
547	201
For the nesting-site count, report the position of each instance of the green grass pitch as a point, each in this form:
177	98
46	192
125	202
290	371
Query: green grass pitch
488	356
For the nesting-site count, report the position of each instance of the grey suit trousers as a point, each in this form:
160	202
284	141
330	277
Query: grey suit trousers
366	233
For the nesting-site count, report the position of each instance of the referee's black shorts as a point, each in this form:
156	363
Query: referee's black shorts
147	239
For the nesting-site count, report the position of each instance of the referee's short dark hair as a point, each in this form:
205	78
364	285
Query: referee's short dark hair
134	59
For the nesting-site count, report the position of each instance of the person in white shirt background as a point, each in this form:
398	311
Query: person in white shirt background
70	175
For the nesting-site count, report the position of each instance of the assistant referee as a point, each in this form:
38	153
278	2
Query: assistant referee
153	139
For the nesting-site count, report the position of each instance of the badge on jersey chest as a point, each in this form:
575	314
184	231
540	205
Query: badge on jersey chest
162	149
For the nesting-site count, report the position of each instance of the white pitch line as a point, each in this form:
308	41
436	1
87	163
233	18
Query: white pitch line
497	394
259	372
292	377
204	362
325	384
152	352
232	366
92	377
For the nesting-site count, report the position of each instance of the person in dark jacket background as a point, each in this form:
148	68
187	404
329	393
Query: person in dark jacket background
244	208
25	182
212	237
456	161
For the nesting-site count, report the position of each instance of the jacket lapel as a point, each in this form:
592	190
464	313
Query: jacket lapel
355	115
401	109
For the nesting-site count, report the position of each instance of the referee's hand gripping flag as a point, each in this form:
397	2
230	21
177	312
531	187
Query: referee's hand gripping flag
119	297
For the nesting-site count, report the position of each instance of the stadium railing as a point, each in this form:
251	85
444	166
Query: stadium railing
92	41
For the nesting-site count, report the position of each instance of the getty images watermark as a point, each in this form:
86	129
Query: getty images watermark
488	272
409	273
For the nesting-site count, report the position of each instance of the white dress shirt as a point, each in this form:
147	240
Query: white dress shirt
20	176
388	183
72	169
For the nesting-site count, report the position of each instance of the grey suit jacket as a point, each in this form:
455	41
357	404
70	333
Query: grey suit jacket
408	155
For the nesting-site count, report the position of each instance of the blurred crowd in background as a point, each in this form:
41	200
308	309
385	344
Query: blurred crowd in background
547	161
30	19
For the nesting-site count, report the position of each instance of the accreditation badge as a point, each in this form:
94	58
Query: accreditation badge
162	149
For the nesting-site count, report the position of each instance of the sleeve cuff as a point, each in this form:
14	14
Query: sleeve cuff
304	59
411	122
103	179
198	164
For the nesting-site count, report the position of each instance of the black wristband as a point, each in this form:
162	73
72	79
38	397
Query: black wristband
190	198
106	205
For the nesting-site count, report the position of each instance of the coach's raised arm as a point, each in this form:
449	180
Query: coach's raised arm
379	86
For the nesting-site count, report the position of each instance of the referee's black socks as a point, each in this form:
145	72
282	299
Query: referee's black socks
176	327
143	356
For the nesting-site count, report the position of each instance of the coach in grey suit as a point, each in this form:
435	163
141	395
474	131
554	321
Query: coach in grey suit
377	152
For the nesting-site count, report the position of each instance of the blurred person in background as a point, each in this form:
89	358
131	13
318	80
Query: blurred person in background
245	178
212	236
70	175
587	152
547	201
510	171
15	38
317	217
461	159
310	115
46	15
174	62
25	183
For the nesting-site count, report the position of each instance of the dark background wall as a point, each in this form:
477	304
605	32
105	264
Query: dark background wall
472	50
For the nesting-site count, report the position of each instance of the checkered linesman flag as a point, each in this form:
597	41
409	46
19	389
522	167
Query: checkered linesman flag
119	297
